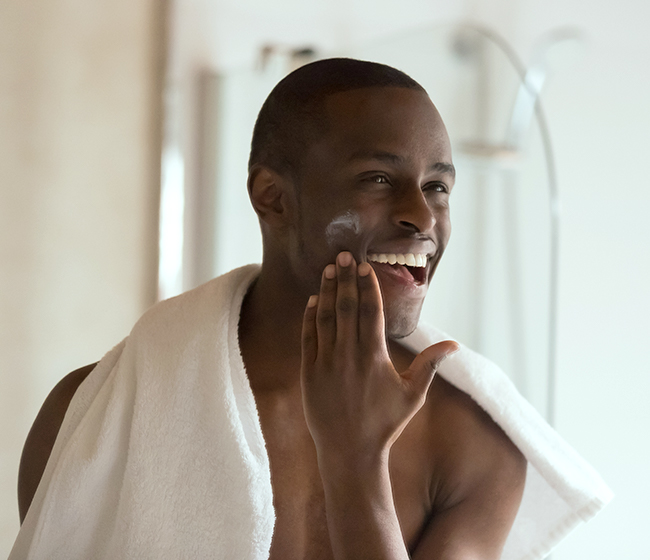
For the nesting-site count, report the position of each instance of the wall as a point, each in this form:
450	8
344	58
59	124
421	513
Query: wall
80	87
599	120
227	37
78	143
598	117
600	125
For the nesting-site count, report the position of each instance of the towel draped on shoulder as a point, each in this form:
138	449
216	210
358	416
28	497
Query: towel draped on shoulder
161	453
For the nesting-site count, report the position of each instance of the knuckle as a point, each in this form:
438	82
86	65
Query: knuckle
417	399
308	337
368	309
326	317
346	304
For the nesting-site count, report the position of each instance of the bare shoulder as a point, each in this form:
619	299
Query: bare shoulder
477	450
42	435
480	477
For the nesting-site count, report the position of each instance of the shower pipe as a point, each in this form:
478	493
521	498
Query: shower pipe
531	81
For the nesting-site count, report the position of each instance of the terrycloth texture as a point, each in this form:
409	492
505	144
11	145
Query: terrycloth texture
562	489
161	453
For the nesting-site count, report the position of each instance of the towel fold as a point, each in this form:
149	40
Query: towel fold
161	454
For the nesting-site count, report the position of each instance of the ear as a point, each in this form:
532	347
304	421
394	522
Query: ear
271	195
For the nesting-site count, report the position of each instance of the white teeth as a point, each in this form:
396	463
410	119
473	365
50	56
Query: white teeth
408	259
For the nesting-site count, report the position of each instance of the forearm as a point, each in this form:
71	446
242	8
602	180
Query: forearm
356	405
361	516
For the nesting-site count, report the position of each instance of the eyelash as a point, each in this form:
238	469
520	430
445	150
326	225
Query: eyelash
382	179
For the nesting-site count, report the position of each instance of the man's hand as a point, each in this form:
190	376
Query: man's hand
356	404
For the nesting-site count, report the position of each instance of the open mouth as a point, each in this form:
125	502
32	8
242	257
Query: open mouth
410	266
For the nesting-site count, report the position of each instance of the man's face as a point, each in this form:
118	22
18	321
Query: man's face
377	184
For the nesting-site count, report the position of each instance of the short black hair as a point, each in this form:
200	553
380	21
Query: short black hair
292	116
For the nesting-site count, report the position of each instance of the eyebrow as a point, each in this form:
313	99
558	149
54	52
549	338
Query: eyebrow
441	166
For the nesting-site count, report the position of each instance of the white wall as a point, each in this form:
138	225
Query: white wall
600	121
78	149
79	164
599	117
226	37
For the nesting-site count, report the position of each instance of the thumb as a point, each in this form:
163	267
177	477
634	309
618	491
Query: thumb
421	371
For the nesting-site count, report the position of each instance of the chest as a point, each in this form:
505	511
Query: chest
301	522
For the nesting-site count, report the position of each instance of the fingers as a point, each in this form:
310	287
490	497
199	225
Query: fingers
309	338
371	311
421	371
347	299
350	308
326	310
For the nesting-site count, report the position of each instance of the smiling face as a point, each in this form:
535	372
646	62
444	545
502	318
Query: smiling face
377	184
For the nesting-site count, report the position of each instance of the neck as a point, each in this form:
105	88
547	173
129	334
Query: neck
270	327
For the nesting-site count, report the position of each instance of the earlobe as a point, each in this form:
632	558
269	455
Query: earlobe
268	192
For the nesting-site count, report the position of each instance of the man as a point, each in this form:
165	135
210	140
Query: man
370	454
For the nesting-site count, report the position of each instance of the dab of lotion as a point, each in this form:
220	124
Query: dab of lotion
346	223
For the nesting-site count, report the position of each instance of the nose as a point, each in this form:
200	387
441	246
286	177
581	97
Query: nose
413	212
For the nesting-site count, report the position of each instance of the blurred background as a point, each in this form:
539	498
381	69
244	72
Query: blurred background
124	131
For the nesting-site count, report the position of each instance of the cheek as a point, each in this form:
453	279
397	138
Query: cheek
443	225
342	229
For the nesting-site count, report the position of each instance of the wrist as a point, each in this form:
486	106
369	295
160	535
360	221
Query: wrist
353	468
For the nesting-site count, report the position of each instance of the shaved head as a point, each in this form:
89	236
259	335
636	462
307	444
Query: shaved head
292	116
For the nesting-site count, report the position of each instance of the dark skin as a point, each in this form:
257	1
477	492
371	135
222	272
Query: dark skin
371	454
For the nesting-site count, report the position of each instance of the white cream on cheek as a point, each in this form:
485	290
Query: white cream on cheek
340	228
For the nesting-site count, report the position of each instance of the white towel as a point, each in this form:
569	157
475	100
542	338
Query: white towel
161	454
562	489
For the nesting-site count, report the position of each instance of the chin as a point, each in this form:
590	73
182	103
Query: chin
401	321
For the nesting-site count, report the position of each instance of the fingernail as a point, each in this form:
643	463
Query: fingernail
330	271
345	258
364	269
313	300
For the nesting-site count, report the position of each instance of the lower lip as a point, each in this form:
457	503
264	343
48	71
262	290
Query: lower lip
391	277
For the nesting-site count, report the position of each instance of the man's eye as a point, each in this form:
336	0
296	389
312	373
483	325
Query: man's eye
437	187
379	179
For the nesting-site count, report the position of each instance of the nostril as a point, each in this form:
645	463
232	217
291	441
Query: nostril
414	214
408	225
